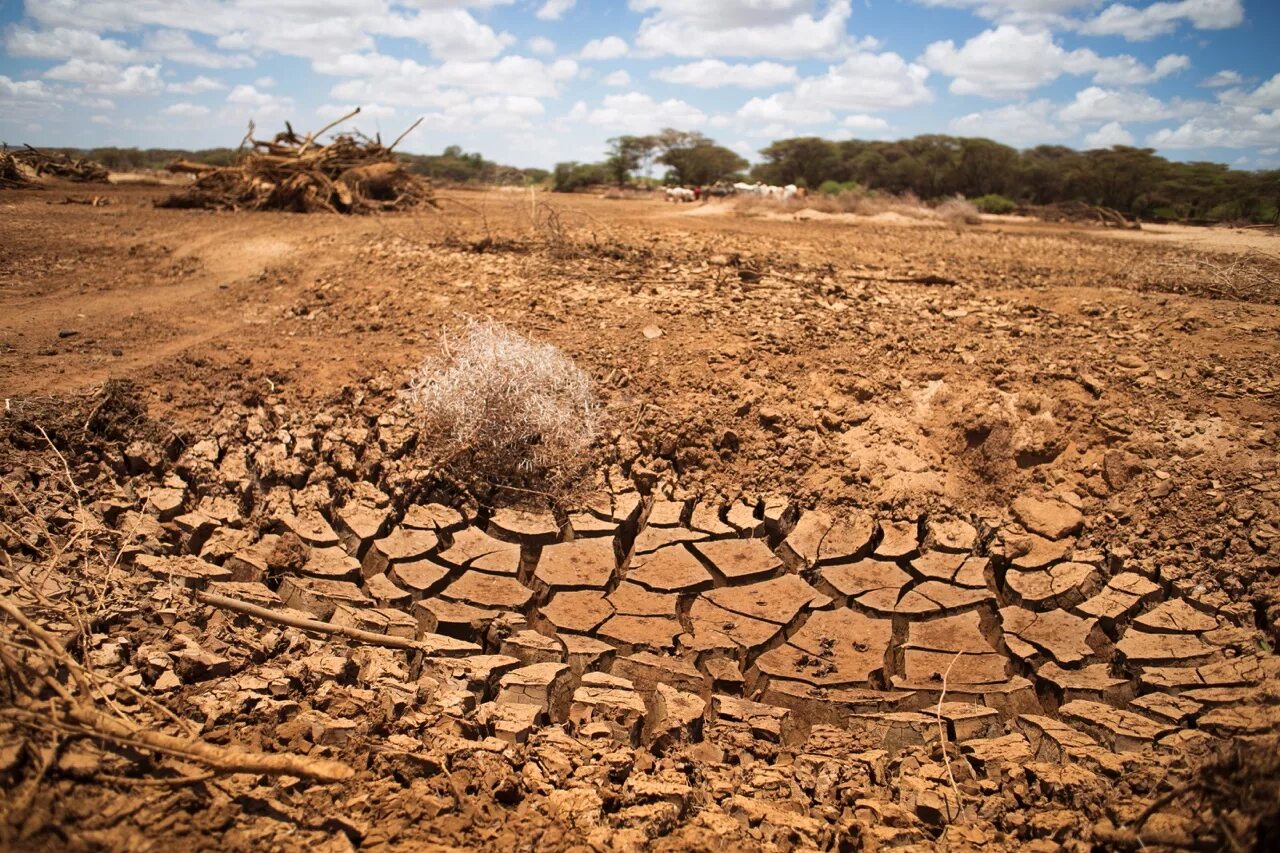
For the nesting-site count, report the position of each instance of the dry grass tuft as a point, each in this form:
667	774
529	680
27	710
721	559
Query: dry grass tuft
957	212
501	410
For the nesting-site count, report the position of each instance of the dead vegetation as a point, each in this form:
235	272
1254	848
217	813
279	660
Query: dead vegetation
955	212
499	409
1252	276
10	175
350	174
19	166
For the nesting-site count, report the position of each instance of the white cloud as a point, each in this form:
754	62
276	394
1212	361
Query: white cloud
636	112
777	28
1124	70
867	82
1221	79
618	78
185	110
864	122
1028	12
715	73
262	103
196	86
1157	19
23	90
1266	96
1008	61
332	111
266	82
783	109
1229	127
609	47
1111	133
66	43
541	45
1015	124
107	79
553	10
1096	104
410	83
450	33
177	46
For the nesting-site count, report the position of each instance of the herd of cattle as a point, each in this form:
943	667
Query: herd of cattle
720	190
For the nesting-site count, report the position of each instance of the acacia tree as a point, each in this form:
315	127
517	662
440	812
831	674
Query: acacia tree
695	158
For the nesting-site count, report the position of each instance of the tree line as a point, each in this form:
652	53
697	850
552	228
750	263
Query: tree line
1134	181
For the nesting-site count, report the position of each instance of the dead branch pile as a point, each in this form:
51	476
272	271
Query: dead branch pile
59	165
11	174
351	174
1079	211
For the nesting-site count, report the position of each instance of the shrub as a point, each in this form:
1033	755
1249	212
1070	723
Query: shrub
992	203
837	187
957	212
572	175
499	409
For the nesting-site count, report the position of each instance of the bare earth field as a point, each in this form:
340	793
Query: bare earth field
902	536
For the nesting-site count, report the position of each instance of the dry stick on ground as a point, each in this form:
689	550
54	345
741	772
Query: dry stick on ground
315	626
74	716
942	733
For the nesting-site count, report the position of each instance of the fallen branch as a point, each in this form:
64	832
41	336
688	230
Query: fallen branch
312	625
67	713
942	733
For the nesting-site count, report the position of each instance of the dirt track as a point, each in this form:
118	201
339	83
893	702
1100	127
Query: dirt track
1087	423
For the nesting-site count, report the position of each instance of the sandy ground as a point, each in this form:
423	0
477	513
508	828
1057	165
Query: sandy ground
1049	453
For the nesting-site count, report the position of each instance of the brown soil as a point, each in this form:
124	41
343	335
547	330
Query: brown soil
850	467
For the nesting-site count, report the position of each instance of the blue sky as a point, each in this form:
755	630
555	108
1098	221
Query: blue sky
532	82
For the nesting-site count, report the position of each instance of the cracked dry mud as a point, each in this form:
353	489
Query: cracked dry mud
901	583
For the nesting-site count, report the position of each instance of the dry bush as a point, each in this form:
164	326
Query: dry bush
957	211
499	409
860	203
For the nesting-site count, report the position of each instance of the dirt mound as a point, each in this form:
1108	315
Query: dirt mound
352	174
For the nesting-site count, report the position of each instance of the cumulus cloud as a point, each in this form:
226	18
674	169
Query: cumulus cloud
618	78
1008	61
1240	119
864	122
1221	79
1031	12
636	112
778	28
23	90
177	46
553	10
1111	133
245	99
781	108
332	111
195	86
1017	124
185	110
66	43
867	82
609	47
541	45
1157	19
715	73
1098	104
107	79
